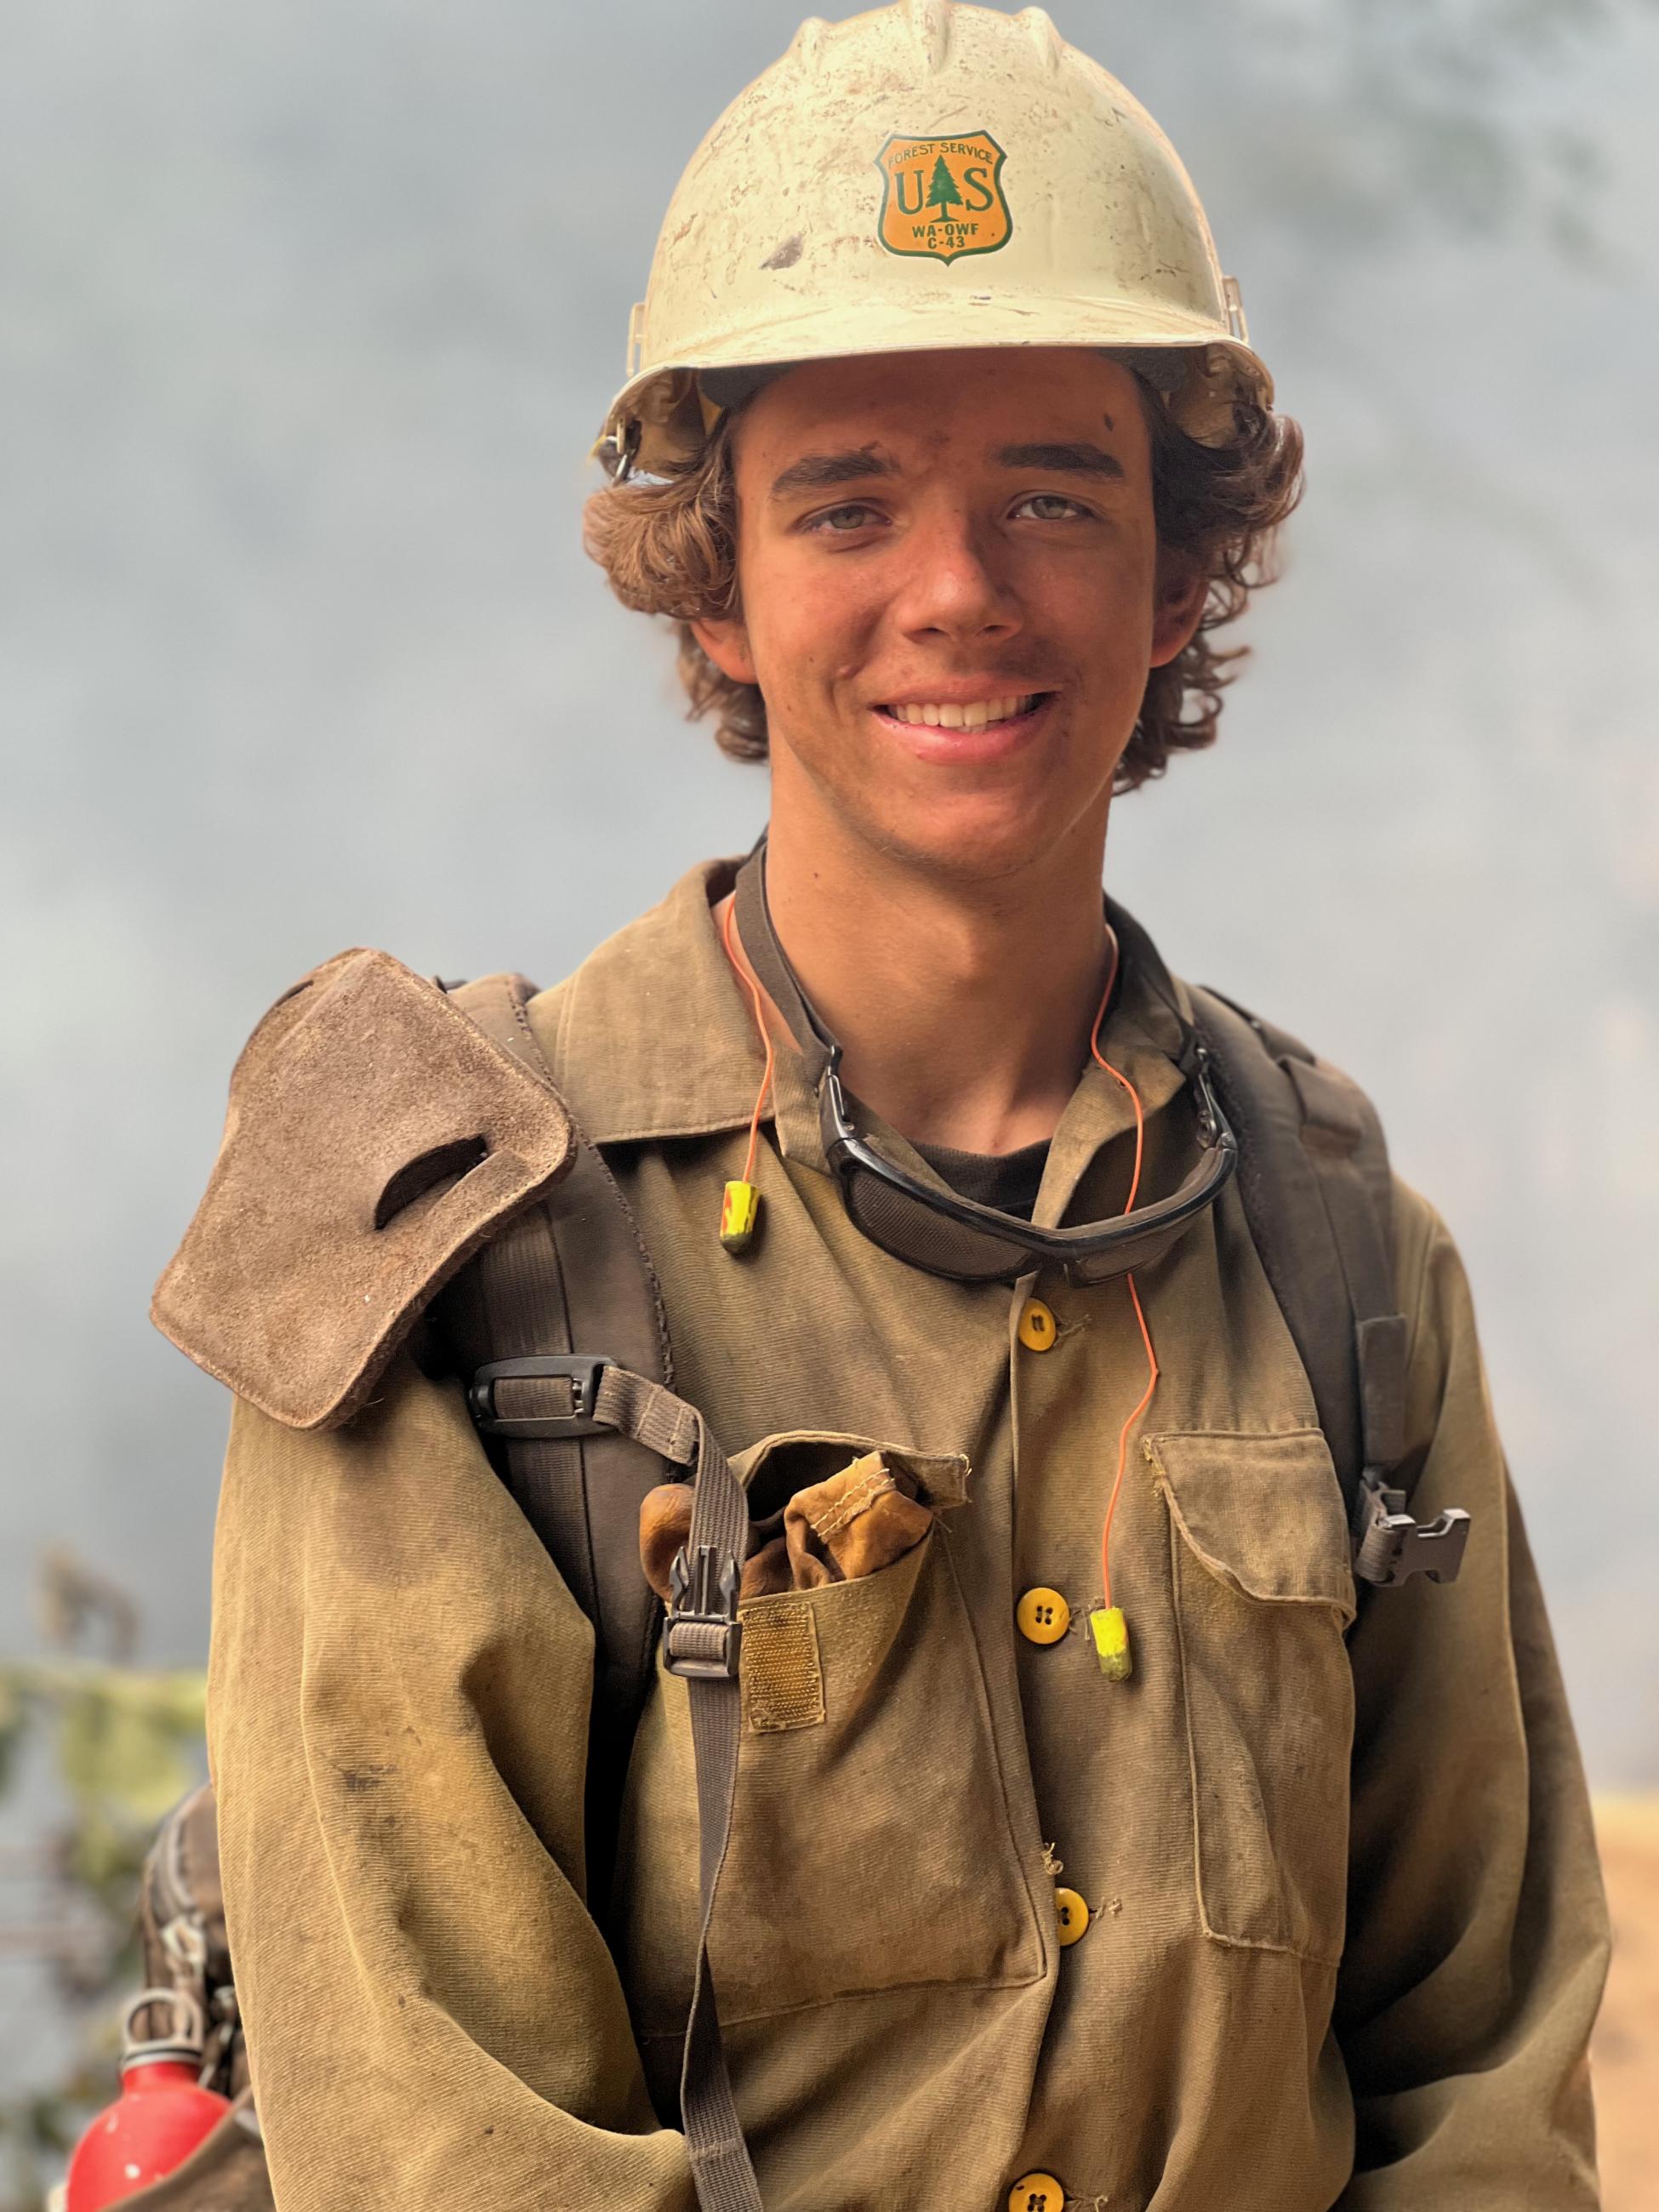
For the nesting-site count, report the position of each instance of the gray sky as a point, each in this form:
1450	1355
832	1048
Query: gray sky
308	312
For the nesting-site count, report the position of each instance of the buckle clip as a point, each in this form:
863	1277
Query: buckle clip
1391	1545
583	1370
1209	1113
618	449
703	1635
1195	1063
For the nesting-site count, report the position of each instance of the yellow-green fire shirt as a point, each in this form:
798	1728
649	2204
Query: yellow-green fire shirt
1345	1930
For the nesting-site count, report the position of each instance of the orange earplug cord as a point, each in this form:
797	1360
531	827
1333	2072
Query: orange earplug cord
1134	1295
753	989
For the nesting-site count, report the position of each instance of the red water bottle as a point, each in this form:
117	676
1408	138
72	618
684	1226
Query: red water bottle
161	2116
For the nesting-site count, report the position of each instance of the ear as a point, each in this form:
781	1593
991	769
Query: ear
725	642
1179	592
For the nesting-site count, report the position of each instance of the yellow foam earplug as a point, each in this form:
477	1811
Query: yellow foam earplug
1111	1633
740	1212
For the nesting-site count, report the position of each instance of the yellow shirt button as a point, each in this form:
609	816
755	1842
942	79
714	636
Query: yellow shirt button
1043	1616
1036	2192
1037	1327
1073	1917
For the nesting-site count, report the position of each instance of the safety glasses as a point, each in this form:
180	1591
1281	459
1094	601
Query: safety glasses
936	1231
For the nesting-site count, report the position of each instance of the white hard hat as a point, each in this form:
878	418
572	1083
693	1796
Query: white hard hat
929	175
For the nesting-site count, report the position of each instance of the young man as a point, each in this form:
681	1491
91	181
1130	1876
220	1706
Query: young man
1092	1842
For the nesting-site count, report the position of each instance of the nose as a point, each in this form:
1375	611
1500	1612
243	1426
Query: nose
956	585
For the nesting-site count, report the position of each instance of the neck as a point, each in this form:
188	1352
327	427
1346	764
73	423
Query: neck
964	1008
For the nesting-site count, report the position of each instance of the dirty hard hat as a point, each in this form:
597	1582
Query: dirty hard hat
927	176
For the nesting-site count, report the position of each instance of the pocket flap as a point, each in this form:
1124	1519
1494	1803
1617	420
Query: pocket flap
1263	1514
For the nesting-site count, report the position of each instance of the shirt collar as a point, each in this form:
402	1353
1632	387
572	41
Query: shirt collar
651	1037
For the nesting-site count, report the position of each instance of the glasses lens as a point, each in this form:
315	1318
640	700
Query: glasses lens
913	1232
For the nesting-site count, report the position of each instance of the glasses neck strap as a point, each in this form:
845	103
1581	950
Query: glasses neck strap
777	978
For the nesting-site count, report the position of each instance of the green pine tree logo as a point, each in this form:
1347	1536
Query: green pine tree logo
942	191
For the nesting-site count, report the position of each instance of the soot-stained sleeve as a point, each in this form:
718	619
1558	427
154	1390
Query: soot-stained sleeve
398	1694
1478	1939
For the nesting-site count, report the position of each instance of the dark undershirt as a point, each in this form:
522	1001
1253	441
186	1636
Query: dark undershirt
1007	1181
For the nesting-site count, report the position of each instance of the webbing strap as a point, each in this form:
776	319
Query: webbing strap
542	1398
1334	1137
1314	1177
572	1277
700	1641
535	1306
705	1650
653	1417
519	1289
720	2165
1318	1196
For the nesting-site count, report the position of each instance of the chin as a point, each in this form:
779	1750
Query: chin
963	842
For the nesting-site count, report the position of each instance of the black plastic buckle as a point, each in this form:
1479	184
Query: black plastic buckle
1391	1545
583	1370
702	1600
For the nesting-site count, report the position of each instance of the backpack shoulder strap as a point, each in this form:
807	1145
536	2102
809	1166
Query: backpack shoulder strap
575	1273
1317	1193
396	1160
570	1285
1314	1177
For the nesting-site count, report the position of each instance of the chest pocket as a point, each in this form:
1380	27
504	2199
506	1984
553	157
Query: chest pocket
1263	1592
872	1846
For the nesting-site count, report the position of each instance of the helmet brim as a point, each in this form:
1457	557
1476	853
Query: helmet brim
673	410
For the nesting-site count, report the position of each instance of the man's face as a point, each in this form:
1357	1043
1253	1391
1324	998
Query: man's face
966	533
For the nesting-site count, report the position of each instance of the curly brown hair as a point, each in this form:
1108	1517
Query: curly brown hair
668	545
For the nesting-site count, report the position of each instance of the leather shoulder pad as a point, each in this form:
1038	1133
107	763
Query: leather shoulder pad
376	1139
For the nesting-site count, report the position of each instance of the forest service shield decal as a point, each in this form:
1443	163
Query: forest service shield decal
943	197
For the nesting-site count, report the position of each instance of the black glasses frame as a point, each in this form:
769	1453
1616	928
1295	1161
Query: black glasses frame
1093	1251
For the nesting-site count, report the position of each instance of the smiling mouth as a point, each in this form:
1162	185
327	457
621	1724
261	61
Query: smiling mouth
980	714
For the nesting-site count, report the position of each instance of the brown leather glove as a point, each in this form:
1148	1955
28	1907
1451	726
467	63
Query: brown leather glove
855	1523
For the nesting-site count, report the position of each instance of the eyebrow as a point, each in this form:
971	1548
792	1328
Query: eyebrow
814	471
1078	459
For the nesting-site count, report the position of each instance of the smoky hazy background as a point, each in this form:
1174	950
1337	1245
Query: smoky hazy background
309	311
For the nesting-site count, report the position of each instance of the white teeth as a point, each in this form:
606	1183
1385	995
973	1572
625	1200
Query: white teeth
975	716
